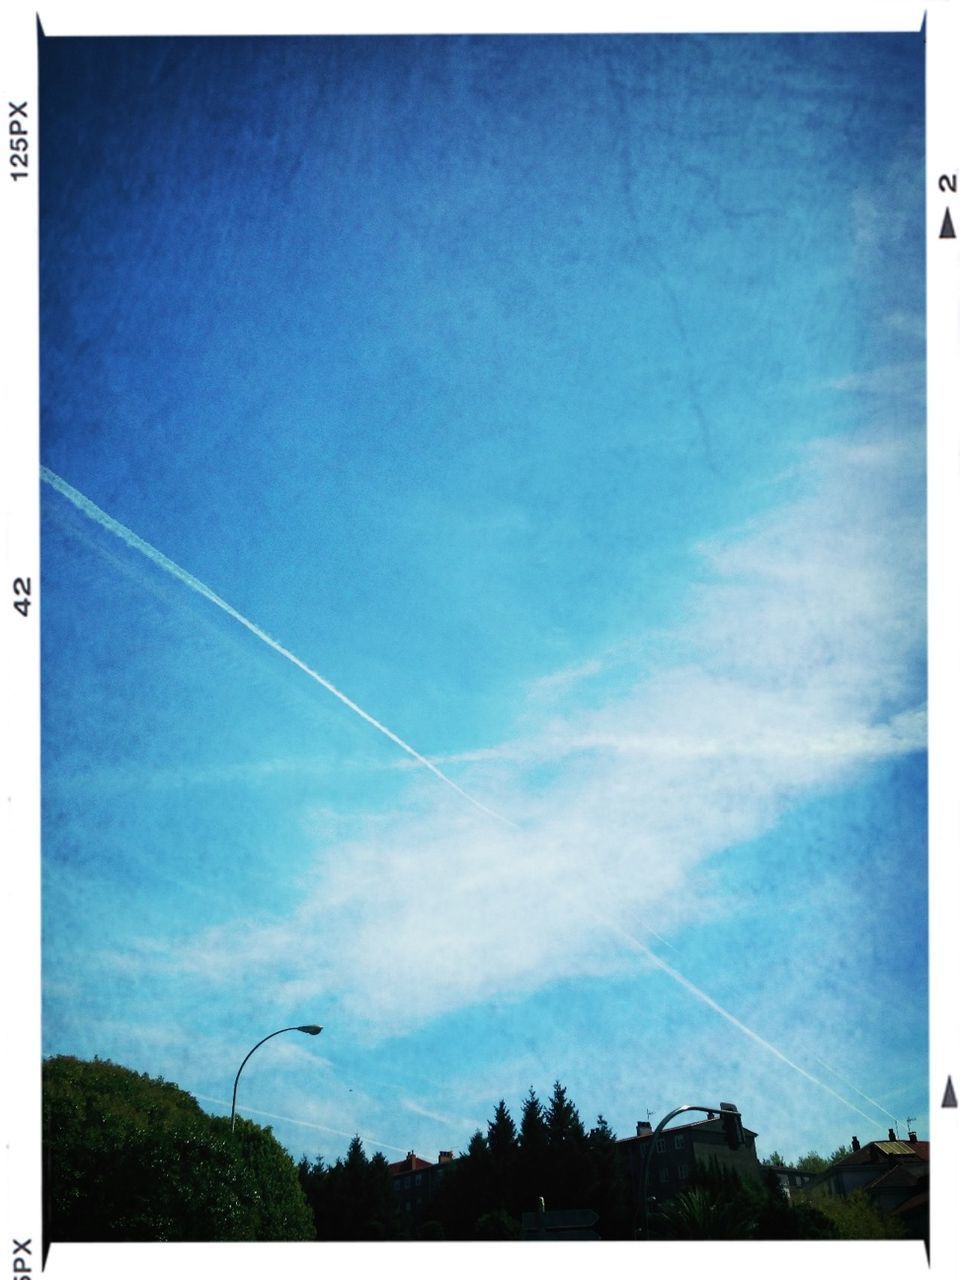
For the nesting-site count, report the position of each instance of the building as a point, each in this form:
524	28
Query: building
790	1180
416	1182
894	1175
675	1153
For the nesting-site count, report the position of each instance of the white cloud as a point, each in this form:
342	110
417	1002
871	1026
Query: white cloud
906	378
796	666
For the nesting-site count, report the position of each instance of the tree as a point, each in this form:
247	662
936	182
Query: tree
780	1218
498	1225
567	1173
812	1162
502	1138
697	1214
353	1199
855	1217
467	1191
504	1148
720	1205
776	1159
534	1160
608	1190
564	1127
131	1158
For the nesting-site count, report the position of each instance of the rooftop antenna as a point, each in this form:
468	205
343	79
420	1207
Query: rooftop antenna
909	1121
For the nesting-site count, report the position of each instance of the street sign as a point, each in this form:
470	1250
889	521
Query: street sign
559	1224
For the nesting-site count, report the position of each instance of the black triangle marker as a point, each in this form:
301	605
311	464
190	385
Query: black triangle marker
949	1097
947	233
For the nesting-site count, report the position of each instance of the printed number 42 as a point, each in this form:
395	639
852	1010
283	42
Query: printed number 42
21	589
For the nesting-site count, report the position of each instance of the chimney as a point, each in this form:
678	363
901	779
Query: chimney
644	1127
444	1157
891	1136
855	1142
912	1136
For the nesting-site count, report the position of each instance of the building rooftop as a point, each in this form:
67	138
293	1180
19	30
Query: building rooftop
714	1122
897	1150
409	1164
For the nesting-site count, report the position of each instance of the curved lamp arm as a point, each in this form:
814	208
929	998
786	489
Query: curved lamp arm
310	1030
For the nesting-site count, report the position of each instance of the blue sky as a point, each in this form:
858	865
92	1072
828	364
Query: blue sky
559	400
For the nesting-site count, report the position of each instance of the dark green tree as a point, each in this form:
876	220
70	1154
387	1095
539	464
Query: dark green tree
467	1191
609	1190
718	1204
813	1162
855	1217
131	1158
498	1225
502	1138
695	1214
564	1127
534	1153
568	1171
713	1206
504	1147
353	1199
780	1218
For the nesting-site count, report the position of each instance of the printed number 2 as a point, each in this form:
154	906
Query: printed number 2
21	587
948	182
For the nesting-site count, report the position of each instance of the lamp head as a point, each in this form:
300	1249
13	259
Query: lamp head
311	1030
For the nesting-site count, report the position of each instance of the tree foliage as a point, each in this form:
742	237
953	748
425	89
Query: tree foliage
719	1205
131	1158
504	1173
813	1162
352	1199
855	1217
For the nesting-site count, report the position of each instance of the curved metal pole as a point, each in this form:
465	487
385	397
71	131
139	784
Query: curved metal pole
650	1153
233	1105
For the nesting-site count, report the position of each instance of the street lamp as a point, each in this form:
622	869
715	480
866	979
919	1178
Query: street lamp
731	1127
309	1030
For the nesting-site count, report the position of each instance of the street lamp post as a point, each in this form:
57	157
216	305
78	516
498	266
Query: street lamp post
731	1119
310	1030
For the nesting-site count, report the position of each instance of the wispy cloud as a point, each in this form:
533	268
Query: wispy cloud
795	668
905	379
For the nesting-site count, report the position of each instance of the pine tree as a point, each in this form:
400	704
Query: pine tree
563	1120
504	1147
609	1187
467	1191
567	1173
534	1161
354	1199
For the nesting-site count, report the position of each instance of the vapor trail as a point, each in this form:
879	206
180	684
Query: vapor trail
95	513
873	1102
634	944
304	1124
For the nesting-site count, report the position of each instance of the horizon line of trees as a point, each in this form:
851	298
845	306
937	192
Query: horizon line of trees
129	1157
812	1162
505	1172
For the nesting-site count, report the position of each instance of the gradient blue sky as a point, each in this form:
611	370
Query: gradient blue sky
560	400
